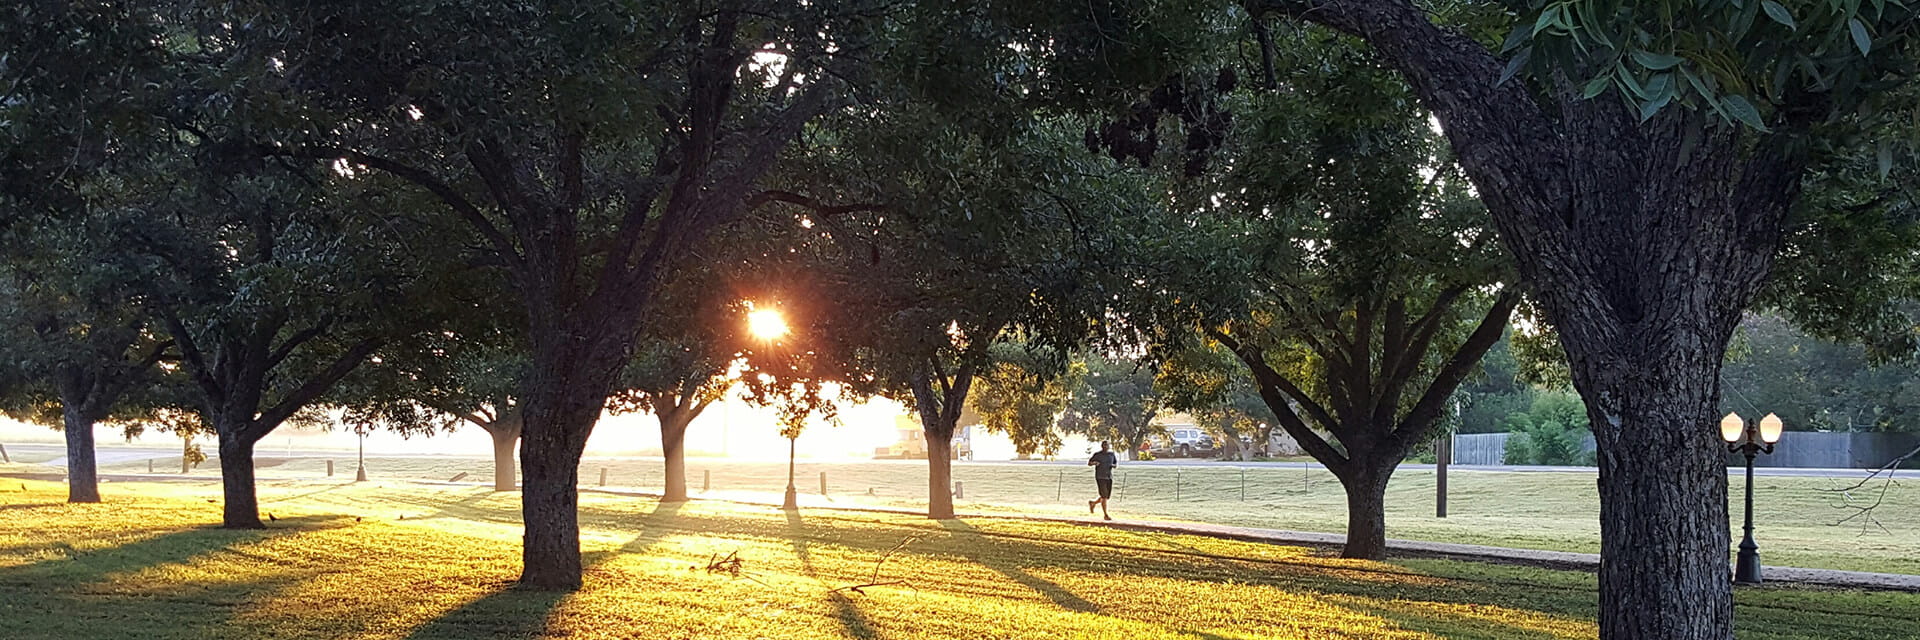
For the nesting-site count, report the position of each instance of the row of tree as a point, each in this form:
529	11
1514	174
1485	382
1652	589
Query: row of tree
522	216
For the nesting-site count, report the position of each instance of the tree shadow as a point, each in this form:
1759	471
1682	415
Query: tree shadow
509	611
1059	595
31	505
853	620
43	597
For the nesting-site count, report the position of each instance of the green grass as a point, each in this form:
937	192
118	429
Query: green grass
1796	516
393	560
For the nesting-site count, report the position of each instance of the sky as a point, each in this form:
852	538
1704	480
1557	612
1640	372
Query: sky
733	429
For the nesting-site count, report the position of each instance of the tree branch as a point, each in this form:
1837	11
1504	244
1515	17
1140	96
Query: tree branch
1425	415
313	388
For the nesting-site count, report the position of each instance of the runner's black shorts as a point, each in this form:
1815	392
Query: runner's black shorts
1106	486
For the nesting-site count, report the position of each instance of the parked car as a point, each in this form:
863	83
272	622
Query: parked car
1184	441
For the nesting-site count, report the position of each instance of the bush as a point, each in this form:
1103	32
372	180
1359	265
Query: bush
1519	449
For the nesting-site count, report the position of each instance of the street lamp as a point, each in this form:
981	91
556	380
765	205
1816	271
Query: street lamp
1749	440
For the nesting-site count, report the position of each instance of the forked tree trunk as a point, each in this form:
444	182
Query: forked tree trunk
673	439
241	508
186	454
505	438
83	477
939	475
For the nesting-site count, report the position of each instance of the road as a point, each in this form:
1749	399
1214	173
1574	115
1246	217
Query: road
116	454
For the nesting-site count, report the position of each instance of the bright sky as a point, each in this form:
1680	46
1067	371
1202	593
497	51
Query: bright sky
733	429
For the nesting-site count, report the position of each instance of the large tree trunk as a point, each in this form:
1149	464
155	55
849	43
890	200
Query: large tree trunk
673	439
1366	512
939	475
83	478
1663	494
559	417
504	439
242	508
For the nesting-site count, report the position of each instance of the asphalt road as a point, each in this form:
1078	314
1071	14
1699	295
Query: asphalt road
117	454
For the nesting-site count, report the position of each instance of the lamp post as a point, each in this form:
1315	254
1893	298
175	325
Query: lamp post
793	495
1749	440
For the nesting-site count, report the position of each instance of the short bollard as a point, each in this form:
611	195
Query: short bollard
603	476
959	491
706	480
823	483
1059	485
329	468
149	465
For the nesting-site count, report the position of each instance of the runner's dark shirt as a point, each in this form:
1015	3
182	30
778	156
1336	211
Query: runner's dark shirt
1103	463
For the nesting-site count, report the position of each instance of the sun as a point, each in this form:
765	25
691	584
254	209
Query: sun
766	324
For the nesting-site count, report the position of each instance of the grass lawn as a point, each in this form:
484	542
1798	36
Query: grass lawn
1796	516
394	560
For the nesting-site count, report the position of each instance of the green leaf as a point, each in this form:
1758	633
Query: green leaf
1519	36
1779	14
1514	64
1860	37
1656	61
1744	111
1885	157
1596	86
1647	109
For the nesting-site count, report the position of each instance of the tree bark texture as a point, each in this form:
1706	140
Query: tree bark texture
1366	513
1643	243
240	508
83	477
564	396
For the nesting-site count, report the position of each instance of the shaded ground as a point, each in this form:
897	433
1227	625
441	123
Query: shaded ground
410	562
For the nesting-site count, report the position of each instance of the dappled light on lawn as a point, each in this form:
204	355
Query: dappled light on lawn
407	562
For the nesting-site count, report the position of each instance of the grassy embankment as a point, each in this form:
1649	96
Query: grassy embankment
392	560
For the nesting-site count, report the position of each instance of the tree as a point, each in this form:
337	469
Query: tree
467	372
75	119
273	290
589	147
76	348
1019	397
1211	385
1335	250
1644	224
683	365
1116	402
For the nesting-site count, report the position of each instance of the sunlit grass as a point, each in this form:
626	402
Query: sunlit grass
1537	510
406	561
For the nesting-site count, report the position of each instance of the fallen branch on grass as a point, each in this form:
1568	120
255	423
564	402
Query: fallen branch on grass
874	580
1865	512
731	565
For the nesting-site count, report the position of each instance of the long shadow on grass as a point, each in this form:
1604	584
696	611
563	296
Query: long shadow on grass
852	619
1058	594
65	597
512	612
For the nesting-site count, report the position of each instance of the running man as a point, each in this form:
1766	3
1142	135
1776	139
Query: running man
1103	463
